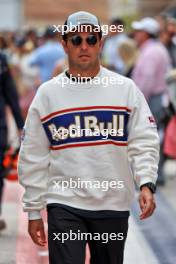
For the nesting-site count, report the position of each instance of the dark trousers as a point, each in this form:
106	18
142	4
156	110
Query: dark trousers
103	250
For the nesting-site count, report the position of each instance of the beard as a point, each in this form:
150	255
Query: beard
84	66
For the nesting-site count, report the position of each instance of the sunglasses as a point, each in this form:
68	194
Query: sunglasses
77	40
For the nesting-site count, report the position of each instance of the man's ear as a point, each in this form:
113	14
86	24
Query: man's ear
64	45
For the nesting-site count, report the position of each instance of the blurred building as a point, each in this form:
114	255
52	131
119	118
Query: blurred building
11	14
154	7
121	8
15	14
42	12
130	8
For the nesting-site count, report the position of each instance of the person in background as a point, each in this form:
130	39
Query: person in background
128	51
170	138
149	73
166	36
8	96
27	78
10	48
110	56
3	43
31	36
46	56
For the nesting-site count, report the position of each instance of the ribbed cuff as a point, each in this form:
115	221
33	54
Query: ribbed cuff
145	180
34	215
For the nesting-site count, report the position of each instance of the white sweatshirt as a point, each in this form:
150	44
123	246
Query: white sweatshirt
46	160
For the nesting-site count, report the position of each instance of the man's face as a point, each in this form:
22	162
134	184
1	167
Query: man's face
171	29
83	56
140	37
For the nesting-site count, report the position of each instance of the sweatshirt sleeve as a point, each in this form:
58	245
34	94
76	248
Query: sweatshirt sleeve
33	163
143	142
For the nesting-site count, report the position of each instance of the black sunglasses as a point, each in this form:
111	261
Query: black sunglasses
77	40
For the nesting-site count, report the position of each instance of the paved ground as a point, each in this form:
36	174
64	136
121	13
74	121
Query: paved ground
152	241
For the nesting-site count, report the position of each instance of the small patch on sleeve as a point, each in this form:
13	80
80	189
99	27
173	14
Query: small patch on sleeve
152	121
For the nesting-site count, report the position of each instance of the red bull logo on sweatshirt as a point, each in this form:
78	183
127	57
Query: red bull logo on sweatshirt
96	125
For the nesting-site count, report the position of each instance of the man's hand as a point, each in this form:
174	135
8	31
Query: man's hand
146	202
37	232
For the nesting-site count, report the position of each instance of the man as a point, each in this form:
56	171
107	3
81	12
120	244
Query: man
150	72
46	56
66	159
8	96
167	37
153	60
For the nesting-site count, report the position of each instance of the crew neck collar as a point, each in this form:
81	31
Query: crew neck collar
80	79
82	84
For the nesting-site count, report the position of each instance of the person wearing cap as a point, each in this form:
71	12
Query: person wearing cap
153	60
85	177
47	55
150	71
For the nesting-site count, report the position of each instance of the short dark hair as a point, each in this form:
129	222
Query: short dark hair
117	21
49	33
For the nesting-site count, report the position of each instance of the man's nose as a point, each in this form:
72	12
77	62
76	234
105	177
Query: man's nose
84	45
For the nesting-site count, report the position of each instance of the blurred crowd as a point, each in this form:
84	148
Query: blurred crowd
147	54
